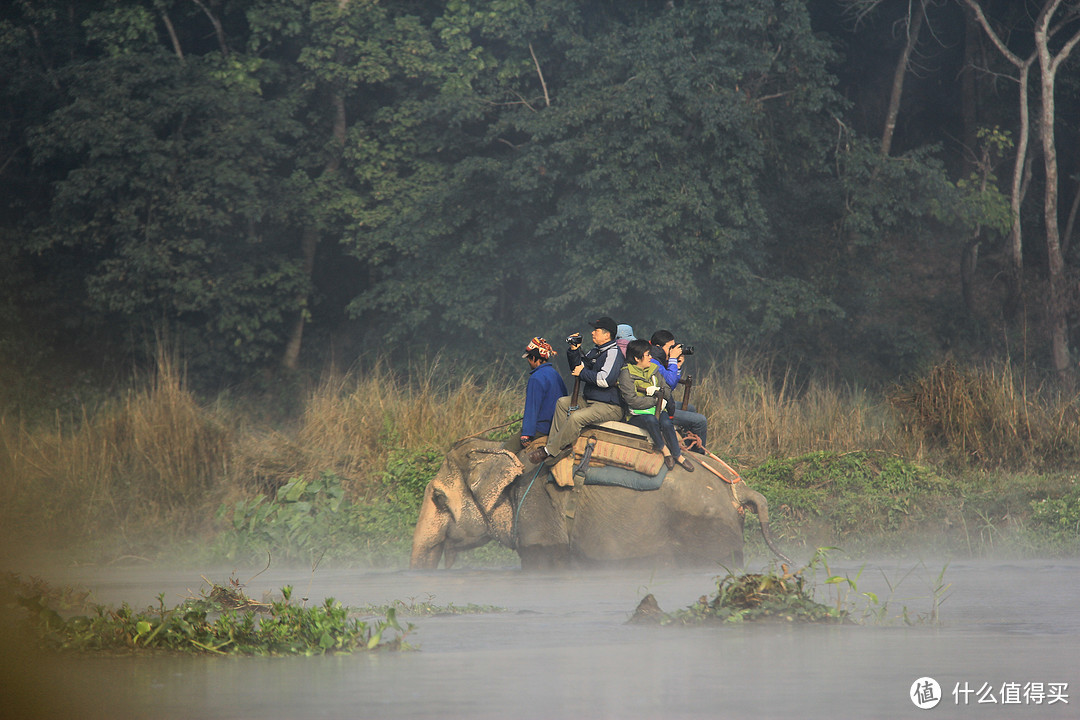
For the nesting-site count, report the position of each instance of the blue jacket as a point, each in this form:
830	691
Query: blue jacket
544	389
669	369
600	375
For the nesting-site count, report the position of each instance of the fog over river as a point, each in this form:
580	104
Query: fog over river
561	648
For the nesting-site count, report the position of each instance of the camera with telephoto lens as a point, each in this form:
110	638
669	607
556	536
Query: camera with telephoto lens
687	349
573	340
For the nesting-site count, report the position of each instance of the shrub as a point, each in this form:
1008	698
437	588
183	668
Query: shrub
305	520
1055	522
847	494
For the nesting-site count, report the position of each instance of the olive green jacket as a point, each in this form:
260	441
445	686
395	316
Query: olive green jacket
632	384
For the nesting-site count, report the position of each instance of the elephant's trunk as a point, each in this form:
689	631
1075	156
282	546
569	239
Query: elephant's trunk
425	558
760	506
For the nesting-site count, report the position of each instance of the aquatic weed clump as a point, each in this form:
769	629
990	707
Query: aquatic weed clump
753	597
206	625
785	596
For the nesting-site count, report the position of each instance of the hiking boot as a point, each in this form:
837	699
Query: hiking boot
538	455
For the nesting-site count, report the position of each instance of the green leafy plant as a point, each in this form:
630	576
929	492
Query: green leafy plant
205	625
844	495
306	520
1055	522
392	512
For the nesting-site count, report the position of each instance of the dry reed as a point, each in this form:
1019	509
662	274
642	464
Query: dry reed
990	417
352	422
158	460
756	413
156	450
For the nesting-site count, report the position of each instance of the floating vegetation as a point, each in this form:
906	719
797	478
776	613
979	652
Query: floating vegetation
427	608
223	621
772	596
232	597
785	596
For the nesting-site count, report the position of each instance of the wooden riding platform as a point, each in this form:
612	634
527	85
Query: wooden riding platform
614	443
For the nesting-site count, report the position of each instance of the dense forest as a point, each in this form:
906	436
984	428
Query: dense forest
855	187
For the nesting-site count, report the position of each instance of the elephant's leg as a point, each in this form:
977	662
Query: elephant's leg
429	537
539	558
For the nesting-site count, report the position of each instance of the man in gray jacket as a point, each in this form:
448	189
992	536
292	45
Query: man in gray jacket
598	371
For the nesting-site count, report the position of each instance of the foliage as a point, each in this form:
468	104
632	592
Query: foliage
851	494
312	520
1055	522
393	510
306	520
203	625
171	208
447	174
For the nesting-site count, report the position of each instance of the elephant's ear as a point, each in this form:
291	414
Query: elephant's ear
492	474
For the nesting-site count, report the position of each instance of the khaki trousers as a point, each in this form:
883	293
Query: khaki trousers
565	430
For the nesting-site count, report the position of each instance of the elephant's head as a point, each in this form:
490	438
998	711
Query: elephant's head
465	505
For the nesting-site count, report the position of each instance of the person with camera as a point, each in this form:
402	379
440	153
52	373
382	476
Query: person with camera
542	392
642	387
597	374
669	357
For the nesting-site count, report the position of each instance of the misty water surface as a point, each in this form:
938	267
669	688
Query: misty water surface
561	649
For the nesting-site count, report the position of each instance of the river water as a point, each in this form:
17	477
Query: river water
561	648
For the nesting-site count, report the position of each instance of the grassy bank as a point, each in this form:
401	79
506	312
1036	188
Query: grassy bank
966	460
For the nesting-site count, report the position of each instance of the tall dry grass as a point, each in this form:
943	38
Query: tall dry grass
353	421
155	451
157	460
756	412
990	416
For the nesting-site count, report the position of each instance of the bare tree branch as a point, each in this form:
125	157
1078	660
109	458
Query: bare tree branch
914	25
218	30
172	35
543	84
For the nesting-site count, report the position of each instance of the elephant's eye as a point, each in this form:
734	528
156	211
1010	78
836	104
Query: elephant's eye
439	498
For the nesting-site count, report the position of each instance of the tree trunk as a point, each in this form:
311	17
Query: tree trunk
1056	310
172	35
969	92
219	31
309	240
914	26
1021	167
1016	193
969	260
1070	224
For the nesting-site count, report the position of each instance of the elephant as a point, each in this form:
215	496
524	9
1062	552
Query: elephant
484	492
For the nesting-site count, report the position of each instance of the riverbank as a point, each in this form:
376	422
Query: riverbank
963	461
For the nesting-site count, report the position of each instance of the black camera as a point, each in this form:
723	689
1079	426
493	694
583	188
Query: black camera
687	349
573	340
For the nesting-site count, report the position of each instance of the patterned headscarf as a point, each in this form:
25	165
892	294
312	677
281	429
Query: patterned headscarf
541	346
